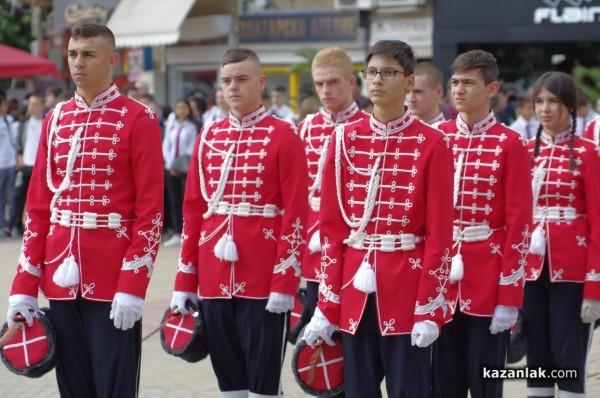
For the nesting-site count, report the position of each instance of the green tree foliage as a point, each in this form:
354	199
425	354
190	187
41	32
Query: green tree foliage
588	80
15	25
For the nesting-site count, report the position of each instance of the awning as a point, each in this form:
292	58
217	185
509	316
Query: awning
18	63
148	22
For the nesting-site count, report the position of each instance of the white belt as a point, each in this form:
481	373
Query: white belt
245	209
476	233
554	214
315	203
386	243
86	220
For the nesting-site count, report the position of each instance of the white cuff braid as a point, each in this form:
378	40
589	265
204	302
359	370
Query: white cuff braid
279	302
504	317
126	310
424	333
319	326
590	310
180	299
21	304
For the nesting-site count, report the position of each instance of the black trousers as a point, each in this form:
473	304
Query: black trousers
557	337
18	200
369	357
246	344
96	360
175	186
464	347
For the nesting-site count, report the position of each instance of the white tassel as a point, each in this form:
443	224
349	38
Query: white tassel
364	280
457	270
231	253
457	174
67	273
538	241
220	247
314	245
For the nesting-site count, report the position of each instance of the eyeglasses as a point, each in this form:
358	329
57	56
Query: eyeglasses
386	74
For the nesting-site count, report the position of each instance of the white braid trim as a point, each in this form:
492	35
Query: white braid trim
536	182
205	131
28	267
457	174
316	186
371	189
597	132
307	123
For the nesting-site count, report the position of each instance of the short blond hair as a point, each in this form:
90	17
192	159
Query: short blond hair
333	56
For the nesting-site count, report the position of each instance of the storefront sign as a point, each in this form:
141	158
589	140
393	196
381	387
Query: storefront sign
68	13
418	32
566	12
295	27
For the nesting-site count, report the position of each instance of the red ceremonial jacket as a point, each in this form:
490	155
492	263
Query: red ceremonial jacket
315	131
592	131
96	194
247	181
567	204
492	214
386	200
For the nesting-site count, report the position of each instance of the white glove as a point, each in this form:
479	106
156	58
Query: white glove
318	326
126	310
590	310
20	304
424	333
180	298
504	317
279	302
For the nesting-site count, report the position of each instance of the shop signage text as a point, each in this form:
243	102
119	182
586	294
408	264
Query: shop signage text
298	27
573	13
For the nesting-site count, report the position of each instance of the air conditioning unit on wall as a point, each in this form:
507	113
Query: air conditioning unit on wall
401	3
354	4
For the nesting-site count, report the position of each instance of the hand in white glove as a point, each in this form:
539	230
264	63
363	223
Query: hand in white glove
20	304
590	310
180	299
424	333
279	302
126	310
318	326
504	317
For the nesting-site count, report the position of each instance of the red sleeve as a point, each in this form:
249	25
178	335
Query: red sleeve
147	171
591	178
293	180
518	201
431	300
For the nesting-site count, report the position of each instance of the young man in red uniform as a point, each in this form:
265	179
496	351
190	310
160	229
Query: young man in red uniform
492	217
244	233
386	230
94	221
424	99
592	131
334	82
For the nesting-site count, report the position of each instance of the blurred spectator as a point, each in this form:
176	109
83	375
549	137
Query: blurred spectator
131	91
7	164
309	104
149	100
142	87
526	123
199	107
178	144
448	108
65	95
585	114
28	138
598	105
279	107
361	100
51	97
504	113
265	98
218	111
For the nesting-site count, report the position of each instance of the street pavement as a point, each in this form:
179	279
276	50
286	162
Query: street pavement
164	376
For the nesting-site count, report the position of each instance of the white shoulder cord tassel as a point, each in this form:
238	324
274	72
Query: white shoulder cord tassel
67	273
457	174
314	245
538	237
364	279
457	269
